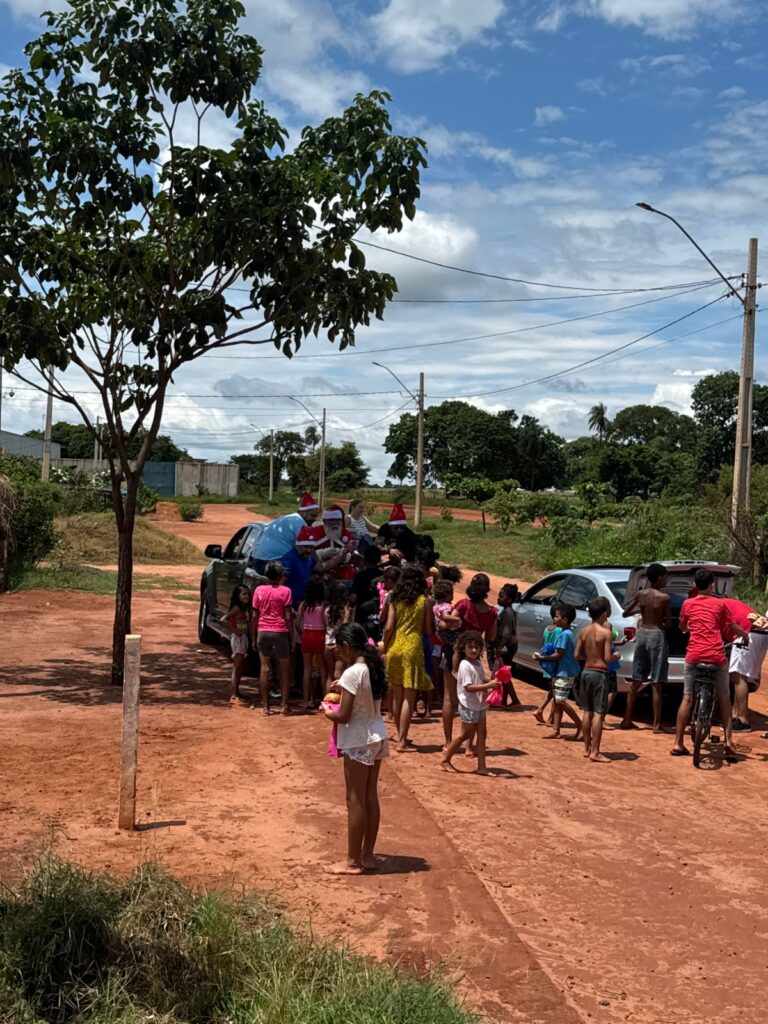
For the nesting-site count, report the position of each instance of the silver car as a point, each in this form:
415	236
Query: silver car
619	584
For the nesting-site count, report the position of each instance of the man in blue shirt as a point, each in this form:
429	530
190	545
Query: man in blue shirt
280	536
299	564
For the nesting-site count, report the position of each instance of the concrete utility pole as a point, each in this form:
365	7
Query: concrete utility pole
1	405
271	464
419	400
321	482
46	469
742	466
419	454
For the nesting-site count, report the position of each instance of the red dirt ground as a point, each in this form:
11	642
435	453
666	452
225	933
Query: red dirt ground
559	890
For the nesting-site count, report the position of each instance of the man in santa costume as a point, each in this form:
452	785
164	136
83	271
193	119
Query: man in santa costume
333	539
280	536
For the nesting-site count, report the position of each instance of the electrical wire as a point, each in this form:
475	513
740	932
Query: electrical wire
521	280
588	362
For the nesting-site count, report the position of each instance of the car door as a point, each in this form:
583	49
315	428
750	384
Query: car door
578	591
229	571
533	616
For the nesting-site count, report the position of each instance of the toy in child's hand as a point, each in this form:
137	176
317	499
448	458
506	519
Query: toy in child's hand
332	698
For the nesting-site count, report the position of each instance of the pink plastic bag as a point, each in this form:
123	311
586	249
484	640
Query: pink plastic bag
333	750
494	697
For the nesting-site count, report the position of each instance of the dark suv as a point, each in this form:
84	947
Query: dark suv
227	569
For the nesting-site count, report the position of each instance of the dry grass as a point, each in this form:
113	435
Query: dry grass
92	539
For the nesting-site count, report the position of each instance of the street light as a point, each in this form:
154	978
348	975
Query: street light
321	473
271	457
419	400
742	468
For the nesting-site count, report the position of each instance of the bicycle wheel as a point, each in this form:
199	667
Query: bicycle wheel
703	724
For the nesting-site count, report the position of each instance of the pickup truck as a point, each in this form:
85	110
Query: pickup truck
229	568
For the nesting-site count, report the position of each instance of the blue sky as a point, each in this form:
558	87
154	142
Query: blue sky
546	123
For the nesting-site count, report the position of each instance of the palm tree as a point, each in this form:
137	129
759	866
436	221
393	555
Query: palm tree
598	420
312	437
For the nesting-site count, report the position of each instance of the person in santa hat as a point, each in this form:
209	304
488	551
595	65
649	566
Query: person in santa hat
280	536
333	539
400	538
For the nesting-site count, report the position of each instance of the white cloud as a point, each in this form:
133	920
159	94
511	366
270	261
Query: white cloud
596	86
681	65
417	36
318	93
734	93
674	396
553	20
548	115
669	19
33	8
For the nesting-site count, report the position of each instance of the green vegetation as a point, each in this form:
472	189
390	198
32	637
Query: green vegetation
77	442
91	580
191	511
93	539
512	554
93	949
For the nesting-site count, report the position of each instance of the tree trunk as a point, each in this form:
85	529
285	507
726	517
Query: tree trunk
3	563
124	595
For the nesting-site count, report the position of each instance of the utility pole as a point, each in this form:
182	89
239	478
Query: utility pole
271	464
419	454
96	446
742	466
1	406
46	469
321	481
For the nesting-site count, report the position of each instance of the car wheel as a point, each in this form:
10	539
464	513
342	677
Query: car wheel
204	632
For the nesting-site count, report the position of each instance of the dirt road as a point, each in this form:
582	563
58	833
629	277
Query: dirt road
561	890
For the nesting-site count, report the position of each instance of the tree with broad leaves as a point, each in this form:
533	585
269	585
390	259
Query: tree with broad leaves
122	234
312	438
283	445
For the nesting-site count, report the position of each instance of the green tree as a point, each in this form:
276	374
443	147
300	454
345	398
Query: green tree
120	243
312	438
254	469
598	420
344	469
715	401
286	444
77	442
642	424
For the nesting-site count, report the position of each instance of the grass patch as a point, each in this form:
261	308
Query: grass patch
93	581
511	554
93	538
92	949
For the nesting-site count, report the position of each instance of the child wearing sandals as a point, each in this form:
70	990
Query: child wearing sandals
237	621
472	688
310	623
272	627
565	670
362	739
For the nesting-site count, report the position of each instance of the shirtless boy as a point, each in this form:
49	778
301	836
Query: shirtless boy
651	662
594	648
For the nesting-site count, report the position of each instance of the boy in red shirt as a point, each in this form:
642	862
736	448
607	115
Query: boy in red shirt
706	618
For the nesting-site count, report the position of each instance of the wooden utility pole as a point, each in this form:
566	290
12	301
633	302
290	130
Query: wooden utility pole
1	406
46	468
130	743
271	464
742	466
419	454
321	481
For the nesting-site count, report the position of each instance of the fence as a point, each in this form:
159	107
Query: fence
173	479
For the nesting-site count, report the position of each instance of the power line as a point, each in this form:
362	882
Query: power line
348	353
521	280
588	362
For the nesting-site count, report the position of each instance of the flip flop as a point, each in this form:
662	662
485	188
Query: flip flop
685	752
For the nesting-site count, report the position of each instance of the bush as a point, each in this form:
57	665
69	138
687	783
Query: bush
191	512
146	499
89	948
446	515
32	531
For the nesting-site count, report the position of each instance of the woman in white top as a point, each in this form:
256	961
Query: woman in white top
359	525
362	739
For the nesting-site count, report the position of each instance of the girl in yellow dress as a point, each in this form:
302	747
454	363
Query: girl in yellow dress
408	619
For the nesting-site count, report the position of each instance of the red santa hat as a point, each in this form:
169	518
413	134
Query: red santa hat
333	512
397	516
306	536
307	502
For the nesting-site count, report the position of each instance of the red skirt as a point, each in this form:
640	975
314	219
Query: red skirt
313	641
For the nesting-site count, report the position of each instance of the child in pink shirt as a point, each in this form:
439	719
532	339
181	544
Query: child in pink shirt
272	632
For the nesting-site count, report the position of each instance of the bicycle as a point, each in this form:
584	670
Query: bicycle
704	697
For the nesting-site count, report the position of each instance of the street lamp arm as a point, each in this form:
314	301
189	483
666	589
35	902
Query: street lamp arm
306	410
695	244
402	385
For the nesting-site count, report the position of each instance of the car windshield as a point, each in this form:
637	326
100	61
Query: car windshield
619	591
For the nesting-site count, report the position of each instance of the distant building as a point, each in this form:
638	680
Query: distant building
18	444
